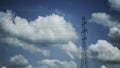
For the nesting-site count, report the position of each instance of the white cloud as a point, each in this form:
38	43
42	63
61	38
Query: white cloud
49	29
103	66
20	32
114	34
71	50
104	51
103	19
114	4
19	61
47	63
26	46
4	67
108	21
1	66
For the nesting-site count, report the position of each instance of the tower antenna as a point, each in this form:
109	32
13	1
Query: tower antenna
84	60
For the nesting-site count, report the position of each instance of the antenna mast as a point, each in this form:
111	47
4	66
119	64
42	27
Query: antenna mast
84	60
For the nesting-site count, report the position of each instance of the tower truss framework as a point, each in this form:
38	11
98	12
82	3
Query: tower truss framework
84	58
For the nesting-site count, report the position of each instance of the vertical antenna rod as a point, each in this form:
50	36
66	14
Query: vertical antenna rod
84	60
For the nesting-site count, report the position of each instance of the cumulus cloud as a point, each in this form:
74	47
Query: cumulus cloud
114	4
114	34
102	18
104	51
103	66
108	21
49	29
19	61
47	63
20	32
71	50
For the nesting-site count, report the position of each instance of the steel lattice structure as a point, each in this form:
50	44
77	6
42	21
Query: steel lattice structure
84	60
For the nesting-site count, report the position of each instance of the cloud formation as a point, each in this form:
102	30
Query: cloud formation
114	4
103	66
71	50
49	29
108	21
18	31
47	63
26	46
101	50
1	66
19	61
104	51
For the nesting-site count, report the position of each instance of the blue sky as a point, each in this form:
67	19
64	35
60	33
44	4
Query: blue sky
47	33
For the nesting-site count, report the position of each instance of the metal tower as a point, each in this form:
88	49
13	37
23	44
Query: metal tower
84	60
